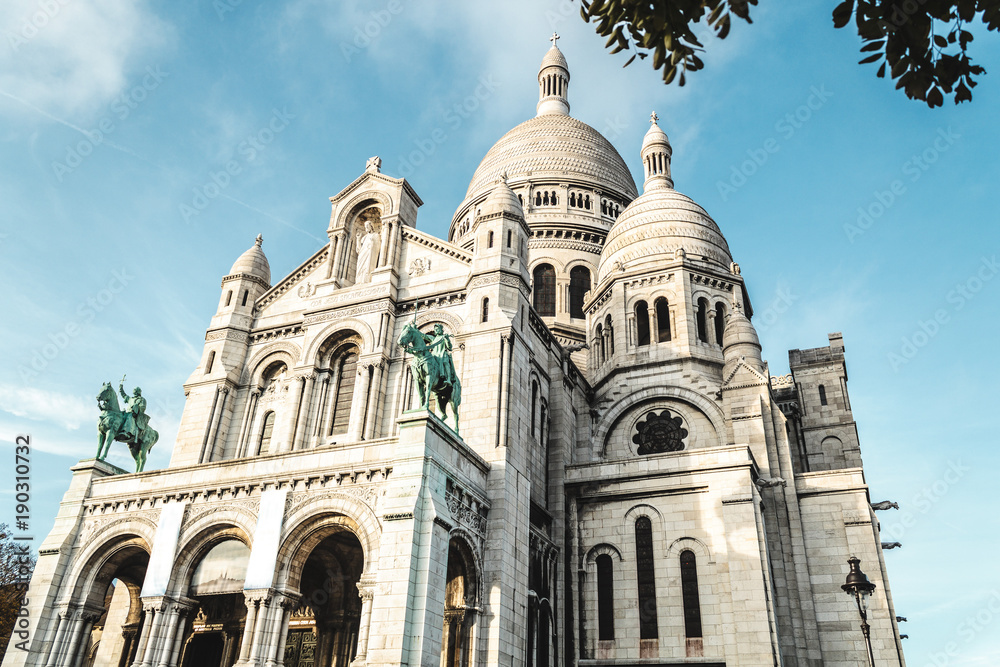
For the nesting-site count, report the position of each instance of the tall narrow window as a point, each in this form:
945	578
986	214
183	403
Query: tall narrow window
246	295
662	320
534	407
605	598
689	589
720	322
510	237
486	309
265	433
702	320
347	370
579	285
822	395
646	578
545	290
610	330
489	242
599	343
211	362
229	297
641	323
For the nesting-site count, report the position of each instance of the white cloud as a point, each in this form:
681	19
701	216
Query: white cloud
72	57
69	411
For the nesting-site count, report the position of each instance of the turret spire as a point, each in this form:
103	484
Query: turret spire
656	152
553	81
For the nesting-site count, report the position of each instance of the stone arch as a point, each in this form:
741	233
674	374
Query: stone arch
104	537
201	537
287	352
602	548
700	549
90	580
360	202
648	511
556	264
309	524
345	325
617	411
469	543
434	316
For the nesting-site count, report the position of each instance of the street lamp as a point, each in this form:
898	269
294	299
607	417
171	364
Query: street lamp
859	588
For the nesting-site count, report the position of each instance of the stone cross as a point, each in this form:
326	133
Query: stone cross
653	118
555	40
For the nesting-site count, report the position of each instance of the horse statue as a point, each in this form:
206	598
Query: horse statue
131	426
433	368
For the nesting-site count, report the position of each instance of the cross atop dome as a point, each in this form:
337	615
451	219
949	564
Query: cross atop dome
555	39
653	118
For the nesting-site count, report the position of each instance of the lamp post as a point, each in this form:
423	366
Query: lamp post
859	588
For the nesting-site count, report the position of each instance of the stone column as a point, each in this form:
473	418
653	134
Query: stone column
248	628
359	403
62	623
302	420
241	444
257	639
332	255
338	244
383	245
147	632
367	593
67	655
285	444
321	410
175	650
710	326
287	605
373	402
214	430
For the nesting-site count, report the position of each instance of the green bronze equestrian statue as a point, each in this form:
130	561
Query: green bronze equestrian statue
130	426
433	368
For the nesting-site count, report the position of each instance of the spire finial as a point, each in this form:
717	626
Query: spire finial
653	118
260	240
503	177
555	40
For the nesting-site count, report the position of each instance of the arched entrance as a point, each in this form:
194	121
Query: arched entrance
212	636
323	629
459	606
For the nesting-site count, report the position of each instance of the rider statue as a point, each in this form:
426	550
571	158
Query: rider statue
136	418
440	346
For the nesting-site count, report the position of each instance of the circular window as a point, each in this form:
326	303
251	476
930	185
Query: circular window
659	432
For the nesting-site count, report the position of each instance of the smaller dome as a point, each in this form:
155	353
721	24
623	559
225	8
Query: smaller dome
655	136
253	262
554	58
502	200
740	332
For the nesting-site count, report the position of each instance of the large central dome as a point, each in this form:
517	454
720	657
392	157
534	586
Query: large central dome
553	146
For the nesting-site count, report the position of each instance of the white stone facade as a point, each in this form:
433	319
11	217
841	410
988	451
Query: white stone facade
628	486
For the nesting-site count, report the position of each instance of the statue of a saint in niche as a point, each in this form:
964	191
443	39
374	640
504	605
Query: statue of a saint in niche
368	247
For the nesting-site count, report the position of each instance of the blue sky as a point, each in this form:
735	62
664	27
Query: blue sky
848	207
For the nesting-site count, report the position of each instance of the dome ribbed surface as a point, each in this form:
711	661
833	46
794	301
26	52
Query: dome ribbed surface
557	146
554	57
254	263
654	226
502	200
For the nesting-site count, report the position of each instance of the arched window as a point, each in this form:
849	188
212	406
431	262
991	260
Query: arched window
265	433
604	206
641	323
229	297
459	598
689	589
346	365
605	598
586	202
534	407
538	199
702	320
645	578
489	242
822	395
610	330
599	346
486	309
572	199
662	320
579	285
545	290
246	295
211	362
720	322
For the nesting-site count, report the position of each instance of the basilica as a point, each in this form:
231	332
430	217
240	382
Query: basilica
614	480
